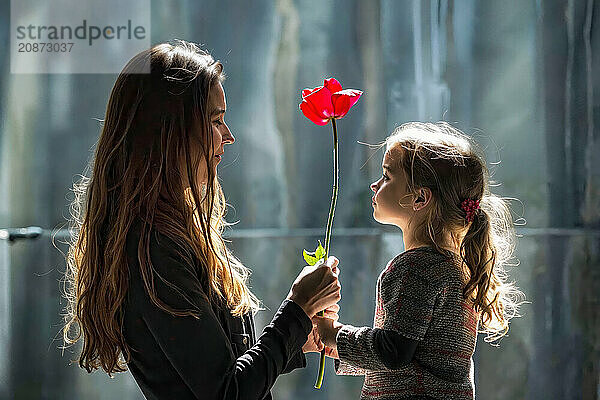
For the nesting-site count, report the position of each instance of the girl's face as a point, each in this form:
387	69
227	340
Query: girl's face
217	107
392	204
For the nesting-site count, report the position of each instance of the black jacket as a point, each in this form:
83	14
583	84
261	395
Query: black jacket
215	356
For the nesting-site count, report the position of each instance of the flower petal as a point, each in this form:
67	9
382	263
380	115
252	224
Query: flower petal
310	113
332	84
320	100
306	92
344	100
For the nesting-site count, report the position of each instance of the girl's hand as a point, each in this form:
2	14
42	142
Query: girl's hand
331	353
313	343
327	330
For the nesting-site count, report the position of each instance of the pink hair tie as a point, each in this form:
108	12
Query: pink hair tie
470	206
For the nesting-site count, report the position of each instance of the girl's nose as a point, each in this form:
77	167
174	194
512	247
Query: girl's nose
374	186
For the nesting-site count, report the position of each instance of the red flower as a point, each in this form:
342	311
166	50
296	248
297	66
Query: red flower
328	101
320	105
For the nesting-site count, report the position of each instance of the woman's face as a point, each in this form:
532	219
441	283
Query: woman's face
217	107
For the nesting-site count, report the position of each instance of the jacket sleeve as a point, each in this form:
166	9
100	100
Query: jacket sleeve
298	360
199	349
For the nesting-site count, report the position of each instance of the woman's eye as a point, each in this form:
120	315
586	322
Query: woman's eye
385	178
217	122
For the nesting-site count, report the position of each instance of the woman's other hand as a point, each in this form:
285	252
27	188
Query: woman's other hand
317	287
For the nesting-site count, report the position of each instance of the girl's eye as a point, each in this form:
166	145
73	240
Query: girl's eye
385	178
217	122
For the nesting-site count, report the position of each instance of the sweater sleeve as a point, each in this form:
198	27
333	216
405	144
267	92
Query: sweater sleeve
408	298
199	349
345	368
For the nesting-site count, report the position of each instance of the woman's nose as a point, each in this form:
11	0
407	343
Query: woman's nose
228	137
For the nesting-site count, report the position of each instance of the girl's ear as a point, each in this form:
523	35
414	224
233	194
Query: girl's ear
423	198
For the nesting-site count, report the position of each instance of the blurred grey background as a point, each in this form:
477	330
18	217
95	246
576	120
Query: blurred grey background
521	76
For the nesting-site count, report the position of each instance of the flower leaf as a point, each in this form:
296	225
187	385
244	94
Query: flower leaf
309	257
314	257
320	251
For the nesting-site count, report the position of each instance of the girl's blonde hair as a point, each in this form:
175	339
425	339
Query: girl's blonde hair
445	160
156	132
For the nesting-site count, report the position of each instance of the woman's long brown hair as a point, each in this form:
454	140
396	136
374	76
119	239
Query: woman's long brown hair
445	160
156	133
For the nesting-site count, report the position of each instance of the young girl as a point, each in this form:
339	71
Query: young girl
447	285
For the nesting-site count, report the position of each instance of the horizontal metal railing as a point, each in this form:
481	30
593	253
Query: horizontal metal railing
36	232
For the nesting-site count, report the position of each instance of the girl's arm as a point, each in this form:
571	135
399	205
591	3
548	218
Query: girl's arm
366	348
408	302
372	349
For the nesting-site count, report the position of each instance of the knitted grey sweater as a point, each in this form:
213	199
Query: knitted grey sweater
419	295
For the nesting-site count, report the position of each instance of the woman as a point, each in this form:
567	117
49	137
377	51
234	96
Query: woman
151	281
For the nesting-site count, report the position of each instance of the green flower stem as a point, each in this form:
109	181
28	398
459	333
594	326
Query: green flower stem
334	195
336	169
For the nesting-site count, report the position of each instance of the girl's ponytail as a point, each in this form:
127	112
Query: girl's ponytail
485	249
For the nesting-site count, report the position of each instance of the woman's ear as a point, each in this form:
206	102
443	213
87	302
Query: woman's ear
423	198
